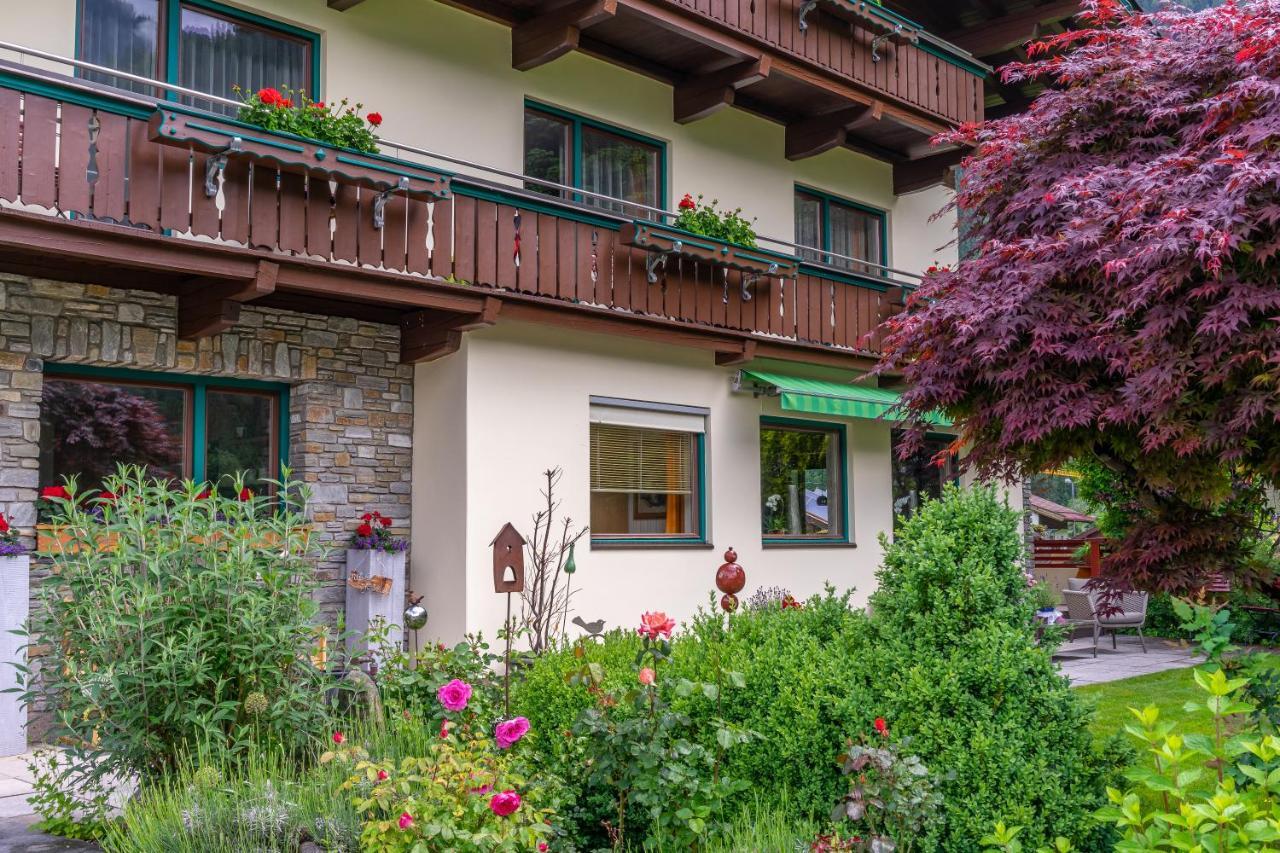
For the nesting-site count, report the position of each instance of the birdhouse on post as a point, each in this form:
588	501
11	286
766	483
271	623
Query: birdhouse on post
508	560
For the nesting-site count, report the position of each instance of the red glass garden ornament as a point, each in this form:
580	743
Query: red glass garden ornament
731	577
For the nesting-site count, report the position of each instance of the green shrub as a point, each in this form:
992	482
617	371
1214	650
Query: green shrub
953	663
799	697
175	621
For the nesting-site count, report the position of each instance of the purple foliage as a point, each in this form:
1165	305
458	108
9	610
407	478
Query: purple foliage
12	549
1123	302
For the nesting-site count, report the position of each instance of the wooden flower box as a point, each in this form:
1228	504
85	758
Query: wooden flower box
52	539
664	242
226	138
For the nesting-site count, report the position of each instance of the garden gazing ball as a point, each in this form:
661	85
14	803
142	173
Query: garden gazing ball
731	578
415	616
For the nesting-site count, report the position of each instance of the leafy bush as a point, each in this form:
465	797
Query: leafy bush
800	697
709	221
1247	627
409	681
339	125
175	621
892	795
953	664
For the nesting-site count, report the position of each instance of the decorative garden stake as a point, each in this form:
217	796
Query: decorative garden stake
730	579
508	577
415	619
15	571
570	566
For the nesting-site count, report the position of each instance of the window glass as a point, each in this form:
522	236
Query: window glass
623	168
88	427
241	436
922	475
120	34
809	225
845	230
800	489
644	482
216	53
548	142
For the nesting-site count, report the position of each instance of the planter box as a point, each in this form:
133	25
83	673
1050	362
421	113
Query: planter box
15	575
51	539
663	242
375	591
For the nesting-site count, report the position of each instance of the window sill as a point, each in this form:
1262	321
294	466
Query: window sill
808	543
656	544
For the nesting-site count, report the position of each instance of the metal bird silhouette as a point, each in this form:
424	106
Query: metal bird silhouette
594	629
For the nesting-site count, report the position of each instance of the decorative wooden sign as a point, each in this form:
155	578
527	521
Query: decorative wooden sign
226	138
508	560
663	242
377	583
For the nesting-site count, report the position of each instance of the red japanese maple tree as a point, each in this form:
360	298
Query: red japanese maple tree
1123	296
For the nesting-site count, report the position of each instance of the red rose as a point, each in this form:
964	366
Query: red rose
364	530
384	521
382	775
375	119
4	523
338	737
687	202
55	492
246	495
882	727
270	97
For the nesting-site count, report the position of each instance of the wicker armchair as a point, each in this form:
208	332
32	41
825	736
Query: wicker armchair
1132	614
1082	616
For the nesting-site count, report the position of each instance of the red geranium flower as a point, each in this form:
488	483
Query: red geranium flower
270	97
318	105
687	202
368	516
882	727
384	521
364	530
246	495
4	523
375	119
55	492
287	103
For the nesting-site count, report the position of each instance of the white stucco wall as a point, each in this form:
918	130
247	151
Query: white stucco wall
526	410
442	79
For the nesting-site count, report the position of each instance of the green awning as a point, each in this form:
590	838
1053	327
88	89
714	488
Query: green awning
823	397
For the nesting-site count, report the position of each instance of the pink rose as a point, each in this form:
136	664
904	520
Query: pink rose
653	625
455	695
505	803
338	737
647	676
382	775
406	820
507	734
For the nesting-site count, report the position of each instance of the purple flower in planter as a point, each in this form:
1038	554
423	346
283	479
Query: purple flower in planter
12	549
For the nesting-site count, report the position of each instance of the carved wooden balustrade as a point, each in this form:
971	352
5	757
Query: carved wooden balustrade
87	159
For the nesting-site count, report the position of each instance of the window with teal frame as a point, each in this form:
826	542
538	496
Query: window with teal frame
197	44
846	229
803	489
566	148
177	426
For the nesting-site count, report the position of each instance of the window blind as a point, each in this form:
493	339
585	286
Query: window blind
641	461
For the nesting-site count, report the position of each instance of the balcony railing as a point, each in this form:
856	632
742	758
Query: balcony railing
88	152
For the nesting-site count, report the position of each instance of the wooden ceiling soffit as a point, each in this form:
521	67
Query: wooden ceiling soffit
552	34
1013	29
343	5
429	335
700	97
212	306
912	175
816	134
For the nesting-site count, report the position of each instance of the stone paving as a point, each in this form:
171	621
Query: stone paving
1125	661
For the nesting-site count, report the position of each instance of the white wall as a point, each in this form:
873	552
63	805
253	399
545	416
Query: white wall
526	404
442	79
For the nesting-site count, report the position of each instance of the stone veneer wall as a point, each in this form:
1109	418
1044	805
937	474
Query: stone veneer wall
350	401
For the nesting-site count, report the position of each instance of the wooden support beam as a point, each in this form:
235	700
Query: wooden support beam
343	5
811	136
737	356
912	175
553	34
893	302
994	36
700	97
429	335
212	306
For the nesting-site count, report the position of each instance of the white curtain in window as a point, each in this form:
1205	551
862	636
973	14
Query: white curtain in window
120	34
216	53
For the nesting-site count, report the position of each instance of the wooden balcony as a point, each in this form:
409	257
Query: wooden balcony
100	187
835	72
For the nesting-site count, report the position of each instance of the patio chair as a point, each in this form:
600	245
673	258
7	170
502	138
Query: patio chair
1081	615
1132	614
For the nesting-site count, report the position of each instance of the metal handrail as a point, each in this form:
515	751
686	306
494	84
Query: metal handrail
165	89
